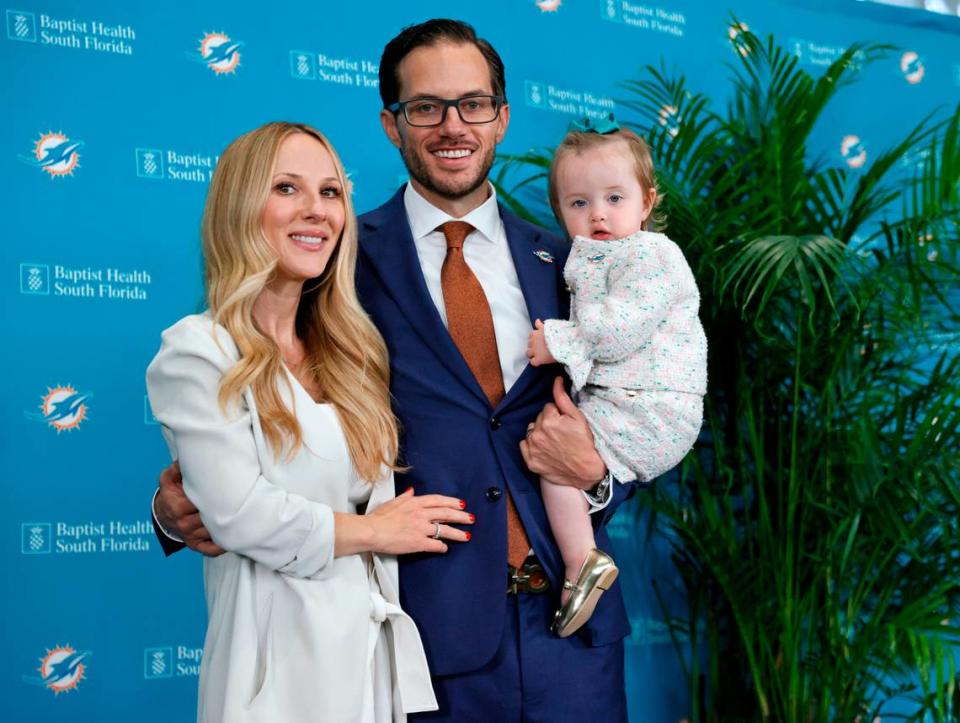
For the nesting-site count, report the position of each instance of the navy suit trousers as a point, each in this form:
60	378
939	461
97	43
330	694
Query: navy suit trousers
535	676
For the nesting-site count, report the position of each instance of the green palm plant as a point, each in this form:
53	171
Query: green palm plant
816	524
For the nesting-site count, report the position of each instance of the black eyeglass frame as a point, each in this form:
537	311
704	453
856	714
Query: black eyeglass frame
401	105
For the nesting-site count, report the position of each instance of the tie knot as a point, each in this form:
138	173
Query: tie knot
455	232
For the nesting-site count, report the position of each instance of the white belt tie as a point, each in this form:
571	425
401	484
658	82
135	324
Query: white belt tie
409	660
378	607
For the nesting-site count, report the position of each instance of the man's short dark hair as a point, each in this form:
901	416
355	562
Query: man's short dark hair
432	32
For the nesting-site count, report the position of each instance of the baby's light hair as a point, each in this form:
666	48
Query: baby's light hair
577	142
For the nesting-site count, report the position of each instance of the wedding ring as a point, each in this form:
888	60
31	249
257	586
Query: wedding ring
531	427
436	532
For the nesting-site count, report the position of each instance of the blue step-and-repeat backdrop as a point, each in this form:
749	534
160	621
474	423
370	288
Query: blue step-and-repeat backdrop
113	117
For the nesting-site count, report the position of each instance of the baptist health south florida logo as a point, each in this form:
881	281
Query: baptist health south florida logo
645	17
167	662
61	669
21	26
35	279
157	663
175	165
54	153
547	96
90	537
218	52
88	282
150	163
336	69
63	408
36	538
87	35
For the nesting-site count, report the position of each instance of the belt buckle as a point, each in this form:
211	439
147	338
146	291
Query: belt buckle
529	577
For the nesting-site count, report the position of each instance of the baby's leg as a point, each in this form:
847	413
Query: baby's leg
569	517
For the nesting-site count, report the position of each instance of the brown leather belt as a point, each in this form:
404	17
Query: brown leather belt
528	578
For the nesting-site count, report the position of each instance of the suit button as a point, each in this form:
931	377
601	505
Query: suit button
495	423
494	493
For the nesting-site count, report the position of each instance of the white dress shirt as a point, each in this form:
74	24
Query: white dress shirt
487	253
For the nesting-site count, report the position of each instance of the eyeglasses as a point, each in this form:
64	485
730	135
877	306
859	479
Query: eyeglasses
426	112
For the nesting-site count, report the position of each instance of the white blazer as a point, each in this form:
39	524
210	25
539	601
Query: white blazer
294	634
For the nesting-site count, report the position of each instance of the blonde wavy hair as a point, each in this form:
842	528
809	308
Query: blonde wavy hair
345	353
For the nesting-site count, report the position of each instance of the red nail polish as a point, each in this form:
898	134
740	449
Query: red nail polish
408	489
473	518
463	505
468	536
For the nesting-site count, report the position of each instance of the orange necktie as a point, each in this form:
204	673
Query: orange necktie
471	326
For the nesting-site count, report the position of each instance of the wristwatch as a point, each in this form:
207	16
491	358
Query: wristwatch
601	489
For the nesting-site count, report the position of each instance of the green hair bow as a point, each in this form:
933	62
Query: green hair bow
603	126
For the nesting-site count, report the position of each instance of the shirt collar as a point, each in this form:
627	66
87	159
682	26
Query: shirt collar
424	217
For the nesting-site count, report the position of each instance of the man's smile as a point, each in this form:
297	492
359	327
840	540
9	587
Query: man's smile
457	153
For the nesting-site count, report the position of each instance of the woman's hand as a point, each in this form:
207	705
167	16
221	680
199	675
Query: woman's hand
405	524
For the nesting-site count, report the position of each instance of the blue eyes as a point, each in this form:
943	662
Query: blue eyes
613	198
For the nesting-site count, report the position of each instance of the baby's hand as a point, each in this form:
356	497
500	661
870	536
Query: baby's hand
537	351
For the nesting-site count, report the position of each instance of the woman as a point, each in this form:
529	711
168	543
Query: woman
276	403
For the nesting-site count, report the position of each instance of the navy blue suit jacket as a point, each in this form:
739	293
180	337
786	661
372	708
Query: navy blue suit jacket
456	444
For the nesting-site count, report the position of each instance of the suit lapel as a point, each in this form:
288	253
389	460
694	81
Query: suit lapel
538	282
538	278
387	243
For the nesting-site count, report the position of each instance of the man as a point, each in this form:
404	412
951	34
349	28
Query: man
465	398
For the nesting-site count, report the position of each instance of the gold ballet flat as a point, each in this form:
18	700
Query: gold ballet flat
596	575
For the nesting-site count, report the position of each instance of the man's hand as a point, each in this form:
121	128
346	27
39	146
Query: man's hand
559	445
175	512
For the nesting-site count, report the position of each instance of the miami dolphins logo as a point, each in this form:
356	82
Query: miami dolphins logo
63	408
549	6
736	34
669	119
912	67
852	150
55	154
219	53
544	255
61	669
